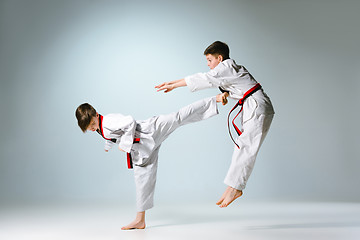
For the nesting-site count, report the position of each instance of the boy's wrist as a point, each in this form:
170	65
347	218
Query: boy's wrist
180	83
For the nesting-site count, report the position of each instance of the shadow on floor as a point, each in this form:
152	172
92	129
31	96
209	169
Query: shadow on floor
249	221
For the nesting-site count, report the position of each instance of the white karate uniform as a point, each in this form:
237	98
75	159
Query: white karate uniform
152	132
255	118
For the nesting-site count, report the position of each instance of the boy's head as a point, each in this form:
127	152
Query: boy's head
216	53
88	118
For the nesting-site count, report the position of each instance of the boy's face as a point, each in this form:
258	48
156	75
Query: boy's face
94	124
213	60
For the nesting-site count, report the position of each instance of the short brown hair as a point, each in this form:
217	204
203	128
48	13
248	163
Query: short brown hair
84	114
218	48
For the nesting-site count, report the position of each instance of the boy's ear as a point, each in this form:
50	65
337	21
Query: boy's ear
220	57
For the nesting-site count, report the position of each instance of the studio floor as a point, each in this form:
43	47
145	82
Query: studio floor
248	221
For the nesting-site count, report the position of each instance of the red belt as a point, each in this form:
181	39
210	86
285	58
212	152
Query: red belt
240	103
128	155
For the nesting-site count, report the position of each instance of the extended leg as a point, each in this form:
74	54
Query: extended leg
194	112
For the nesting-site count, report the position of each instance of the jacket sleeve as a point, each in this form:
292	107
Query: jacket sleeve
122	128
199	81
127	139
128	126
108	145
213	78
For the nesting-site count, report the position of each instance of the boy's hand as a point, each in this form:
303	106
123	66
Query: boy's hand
121	149
222	98
167	86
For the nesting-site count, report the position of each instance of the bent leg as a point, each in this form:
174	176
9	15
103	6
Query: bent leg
243	160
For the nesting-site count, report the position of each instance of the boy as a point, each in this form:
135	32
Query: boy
141	140
256	112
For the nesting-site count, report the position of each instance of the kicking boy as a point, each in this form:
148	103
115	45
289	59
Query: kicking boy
141	140
256	112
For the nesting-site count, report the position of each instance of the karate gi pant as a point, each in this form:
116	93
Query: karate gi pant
164	125
253	134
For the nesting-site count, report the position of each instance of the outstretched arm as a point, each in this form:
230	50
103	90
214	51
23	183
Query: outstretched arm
168	86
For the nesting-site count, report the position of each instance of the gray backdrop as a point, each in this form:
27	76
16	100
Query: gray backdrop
55	55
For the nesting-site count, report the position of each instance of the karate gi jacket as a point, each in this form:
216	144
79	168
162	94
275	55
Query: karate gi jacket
121	130
235	79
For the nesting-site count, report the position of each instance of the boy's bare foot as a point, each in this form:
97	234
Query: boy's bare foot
138	223
134	225
229	196
223	196
222	98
